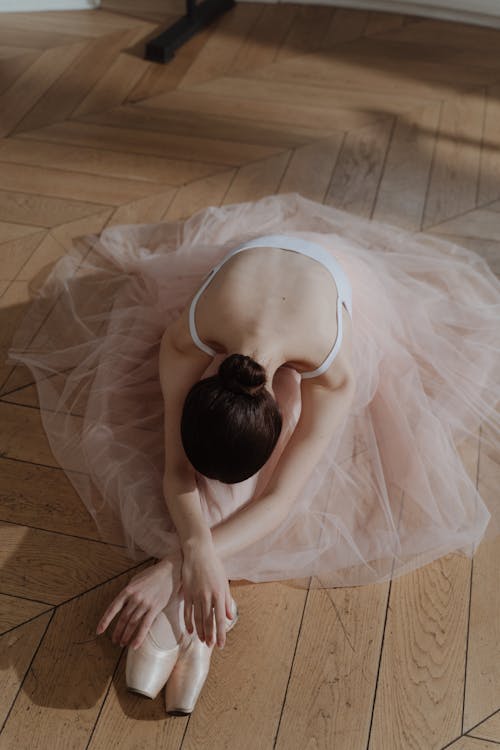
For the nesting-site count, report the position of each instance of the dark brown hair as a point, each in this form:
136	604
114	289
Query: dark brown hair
230	423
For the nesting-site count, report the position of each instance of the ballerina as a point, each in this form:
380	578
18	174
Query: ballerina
227	426
235	409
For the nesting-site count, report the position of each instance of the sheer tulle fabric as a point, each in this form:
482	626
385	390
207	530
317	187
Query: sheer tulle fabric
389	494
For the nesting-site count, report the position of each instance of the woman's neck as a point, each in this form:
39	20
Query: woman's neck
269	358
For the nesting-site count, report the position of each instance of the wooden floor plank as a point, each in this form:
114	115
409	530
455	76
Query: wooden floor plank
144	141
332	684
191	198
432	63
380	23
113	87
400	200
85	23
280	84
154	10
476	230
455	173
431	32
17	252
14	611
308	31
61	509
23	436
357	173
310	168
145	210
12	311
124	165
470	743
365	64
483	655
198	125
346	25
29	87
489	729
14	67
489	179
265	38
42	210
76	82
69	677
291	119
55	567
36	38
216	57
254	181
422	671
12	232
75	186
18	648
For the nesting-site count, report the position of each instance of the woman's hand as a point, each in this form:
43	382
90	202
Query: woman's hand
145	595
206	588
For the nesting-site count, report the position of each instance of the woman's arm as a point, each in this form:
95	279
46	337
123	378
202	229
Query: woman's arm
179	370
323	409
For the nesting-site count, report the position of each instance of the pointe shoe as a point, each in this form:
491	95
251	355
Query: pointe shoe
190	672
149	667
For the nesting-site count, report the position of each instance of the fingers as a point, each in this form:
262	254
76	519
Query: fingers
208	621
229	599
122	622
216	613
199	617
220	621
132	624
111	611
209	617
188	613
143	630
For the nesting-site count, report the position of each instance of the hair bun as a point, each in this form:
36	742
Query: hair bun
242	374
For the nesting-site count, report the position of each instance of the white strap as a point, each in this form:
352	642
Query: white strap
326	364
192	322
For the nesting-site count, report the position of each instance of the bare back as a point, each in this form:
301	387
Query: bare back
278	296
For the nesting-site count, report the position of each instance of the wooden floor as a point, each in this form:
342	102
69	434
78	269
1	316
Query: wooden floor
387	116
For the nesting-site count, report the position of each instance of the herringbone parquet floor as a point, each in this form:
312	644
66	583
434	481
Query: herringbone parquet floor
387	116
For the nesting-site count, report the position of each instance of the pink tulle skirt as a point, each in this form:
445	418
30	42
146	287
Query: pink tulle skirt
389	494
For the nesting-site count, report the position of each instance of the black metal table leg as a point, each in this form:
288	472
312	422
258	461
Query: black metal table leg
162	48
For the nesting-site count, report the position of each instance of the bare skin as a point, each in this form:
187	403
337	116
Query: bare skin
280	308
274	305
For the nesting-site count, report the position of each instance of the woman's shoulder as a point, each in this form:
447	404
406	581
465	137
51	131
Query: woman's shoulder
341	369
178	333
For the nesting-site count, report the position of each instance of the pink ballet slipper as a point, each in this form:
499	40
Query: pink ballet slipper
190	672
149	667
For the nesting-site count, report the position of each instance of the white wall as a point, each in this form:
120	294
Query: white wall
20	6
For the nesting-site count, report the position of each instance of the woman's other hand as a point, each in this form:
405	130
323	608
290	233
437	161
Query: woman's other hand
145	595
206	588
